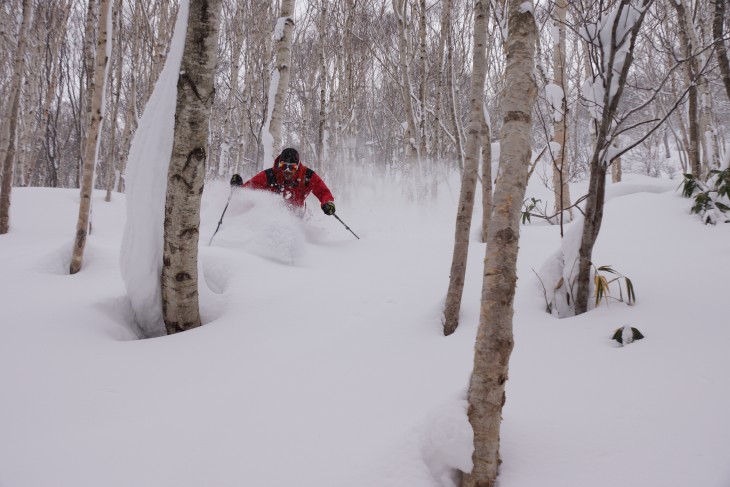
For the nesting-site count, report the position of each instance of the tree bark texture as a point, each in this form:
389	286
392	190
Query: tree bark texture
487	189
445	25
409	137
469	177
91	146
690	71
118	61
560	164
495	338
10	124
283	65
186	174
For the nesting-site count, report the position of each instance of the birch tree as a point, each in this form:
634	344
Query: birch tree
409	136
469	176
96	89
280	80
116	92
560	116
10	124
186	174
718	32
321	57
495	339
620	27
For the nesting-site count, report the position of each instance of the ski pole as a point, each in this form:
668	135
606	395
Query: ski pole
221	220
338	218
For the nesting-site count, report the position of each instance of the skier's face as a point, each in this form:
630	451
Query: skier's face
289	169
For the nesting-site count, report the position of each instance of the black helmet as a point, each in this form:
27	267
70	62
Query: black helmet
290	156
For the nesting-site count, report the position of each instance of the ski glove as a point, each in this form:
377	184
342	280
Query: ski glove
236	180
328	208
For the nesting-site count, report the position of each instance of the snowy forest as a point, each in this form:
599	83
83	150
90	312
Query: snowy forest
482	119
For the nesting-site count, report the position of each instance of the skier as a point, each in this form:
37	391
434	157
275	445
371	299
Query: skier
292	180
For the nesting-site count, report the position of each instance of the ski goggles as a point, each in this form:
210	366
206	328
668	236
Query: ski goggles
288	166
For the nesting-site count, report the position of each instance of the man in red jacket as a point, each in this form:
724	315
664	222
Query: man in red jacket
292	180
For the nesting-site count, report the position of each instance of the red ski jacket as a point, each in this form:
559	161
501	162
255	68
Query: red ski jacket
295	191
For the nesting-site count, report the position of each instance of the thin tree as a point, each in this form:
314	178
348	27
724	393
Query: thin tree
117	39
409	137
718	30
186	174
469	177
322	119
613	62
495	338
96	89
560	119
10	124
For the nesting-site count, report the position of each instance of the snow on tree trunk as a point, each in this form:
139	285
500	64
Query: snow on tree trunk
469	177
97	88
10	124
614	35
495	338
272	138
186	173
146	185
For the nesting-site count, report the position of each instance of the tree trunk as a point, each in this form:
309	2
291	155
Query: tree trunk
91	147
10	124
280	83
409	137
616	170
454	101
118	61
443	33
186	175
495	338
599	163
487	204
322	31
469	177
424	79
718	29
690	71
560	121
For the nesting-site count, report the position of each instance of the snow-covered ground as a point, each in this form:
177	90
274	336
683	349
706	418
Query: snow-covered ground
322	361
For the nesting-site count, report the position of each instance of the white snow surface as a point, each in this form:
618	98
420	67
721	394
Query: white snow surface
322	362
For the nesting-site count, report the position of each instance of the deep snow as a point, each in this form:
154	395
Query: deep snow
322	361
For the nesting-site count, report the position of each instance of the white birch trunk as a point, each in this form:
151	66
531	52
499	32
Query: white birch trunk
91	147
409	136
280	80
322	31
495	338
10	124
186	174
469	177
560	163
117	35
